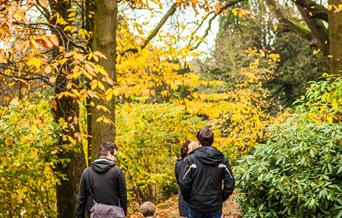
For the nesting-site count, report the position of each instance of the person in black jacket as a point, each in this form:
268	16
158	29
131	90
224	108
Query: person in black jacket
180	164
106	181
201	184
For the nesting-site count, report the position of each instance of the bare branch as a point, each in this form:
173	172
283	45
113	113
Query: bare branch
155	31
227	5
36	77
61	33
44	11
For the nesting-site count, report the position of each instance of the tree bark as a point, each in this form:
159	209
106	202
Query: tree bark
104	42
313	14
287	23
73	167
319	32
66	108
313	9
335	35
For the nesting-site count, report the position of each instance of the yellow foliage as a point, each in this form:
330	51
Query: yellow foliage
27	148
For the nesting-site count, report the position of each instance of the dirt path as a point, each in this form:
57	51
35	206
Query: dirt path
169	209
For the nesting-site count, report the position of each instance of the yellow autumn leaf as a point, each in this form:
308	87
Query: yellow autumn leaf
316	51
109	96
101	86
102	71
164	93
115	92
334	105
36	62
234	12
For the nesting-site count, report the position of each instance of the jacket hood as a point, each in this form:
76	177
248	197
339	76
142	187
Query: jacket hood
102	165
208	155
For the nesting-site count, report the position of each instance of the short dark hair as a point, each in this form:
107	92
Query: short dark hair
184	149
147	209
107	147
205	136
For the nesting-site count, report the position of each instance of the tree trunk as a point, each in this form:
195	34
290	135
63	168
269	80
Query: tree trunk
66	108
73	157
335	35
104	42
72	169
319	32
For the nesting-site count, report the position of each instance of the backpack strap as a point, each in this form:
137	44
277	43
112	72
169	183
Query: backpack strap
87	179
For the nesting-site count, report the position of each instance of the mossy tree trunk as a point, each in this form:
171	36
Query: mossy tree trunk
335	35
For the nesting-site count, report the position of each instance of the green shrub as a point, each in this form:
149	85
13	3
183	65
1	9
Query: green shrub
298	171
27	145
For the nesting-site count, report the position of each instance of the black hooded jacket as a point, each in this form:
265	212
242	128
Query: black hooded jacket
201	185
107	183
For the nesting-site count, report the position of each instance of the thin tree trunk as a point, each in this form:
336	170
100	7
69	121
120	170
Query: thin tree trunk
335	35
89	26
104	42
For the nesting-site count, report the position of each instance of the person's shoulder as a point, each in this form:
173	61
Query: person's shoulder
191	158
224	158
86	170
117	170
179	162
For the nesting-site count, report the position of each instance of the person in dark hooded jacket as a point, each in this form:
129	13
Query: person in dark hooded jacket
106	181
201	185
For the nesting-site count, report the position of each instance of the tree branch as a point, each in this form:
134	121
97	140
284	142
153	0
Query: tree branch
319	32
61	33
288	23
37	77
227	5
44	11
313	9
155	31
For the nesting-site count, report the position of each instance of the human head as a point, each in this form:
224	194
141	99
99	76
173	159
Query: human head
205	136
193	145
147	209
108	150
184	149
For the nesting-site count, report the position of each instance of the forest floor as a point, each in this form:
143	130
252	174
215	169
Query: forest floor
169	209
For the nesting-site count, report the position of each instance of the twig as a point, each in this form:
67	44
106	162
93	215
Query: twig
155	31
227	5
